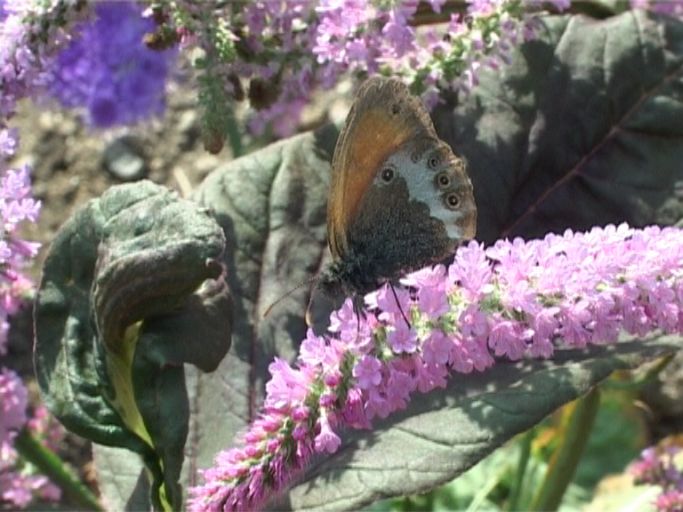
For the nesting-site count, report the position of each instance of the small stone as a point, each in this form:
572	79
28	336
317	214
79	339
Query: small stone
205	163
124	159
188	121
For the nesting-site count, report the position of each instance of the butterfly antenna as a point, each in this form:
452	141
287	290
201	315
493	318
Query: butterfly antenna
287	294
393	290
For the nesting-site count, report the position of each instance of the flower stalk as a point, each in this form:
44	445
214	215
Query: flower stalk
511	301
49	464
567	456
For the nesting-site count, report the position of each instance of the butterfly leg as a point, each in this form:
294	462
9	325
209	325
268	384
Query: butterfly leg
359	309
393	291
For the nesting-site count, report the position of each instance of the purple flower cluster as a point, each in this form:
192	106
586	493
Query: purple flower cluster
663	468
16	205
513	300
13	401
29	32
359	35
18	487
285	49
108	70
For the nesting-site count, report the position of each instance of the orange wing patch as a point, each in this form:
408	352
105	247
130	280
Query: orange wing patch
384	116
377	136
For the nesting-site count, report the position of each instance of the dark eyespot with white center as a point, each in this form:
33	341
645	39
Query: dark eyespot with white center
443	180
433	162
452	201
387	174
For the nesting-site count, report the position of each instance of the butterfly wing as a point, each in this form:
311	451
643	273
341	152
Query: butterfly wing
383	118
399	198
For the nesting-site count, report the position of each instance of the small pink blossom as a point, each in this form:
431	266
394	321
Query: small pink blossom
670	501
657	466
508	338
367	372
399	386
437	348
403	339
287	385
326	440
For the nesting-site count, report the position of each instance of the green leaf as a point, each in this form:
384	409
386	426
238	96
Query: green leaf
129	284
584	128
271	205
121	479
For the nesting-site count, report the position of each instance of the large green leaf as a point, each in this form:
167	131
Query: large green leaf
132	288
584	128
272	206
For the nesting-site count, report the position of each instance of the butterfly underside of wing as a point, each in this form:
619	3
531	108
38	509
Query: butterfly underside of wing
399	200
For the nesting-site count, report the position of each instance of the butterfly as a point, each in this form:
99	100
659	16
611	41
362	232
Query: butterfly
399	199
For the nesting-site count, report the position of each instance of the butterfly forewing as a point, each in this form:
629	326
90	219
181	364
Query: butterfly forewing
384	117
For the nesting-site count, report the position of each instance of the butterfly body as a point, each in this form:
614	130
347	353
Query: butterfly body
399	200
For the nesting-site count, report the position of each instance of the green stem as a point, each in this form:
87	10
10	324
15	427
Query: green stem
525	451
52	466
485	490
637	383
566	458
234	135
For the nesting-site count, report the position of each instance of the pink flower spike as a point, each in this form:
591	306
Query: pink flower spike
514	300
254	436
252	451
353	413
431	376
508	338
300	432
327	400
399	386
300	413
333	379
312	349
273	445
13	402
287	385
385	300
